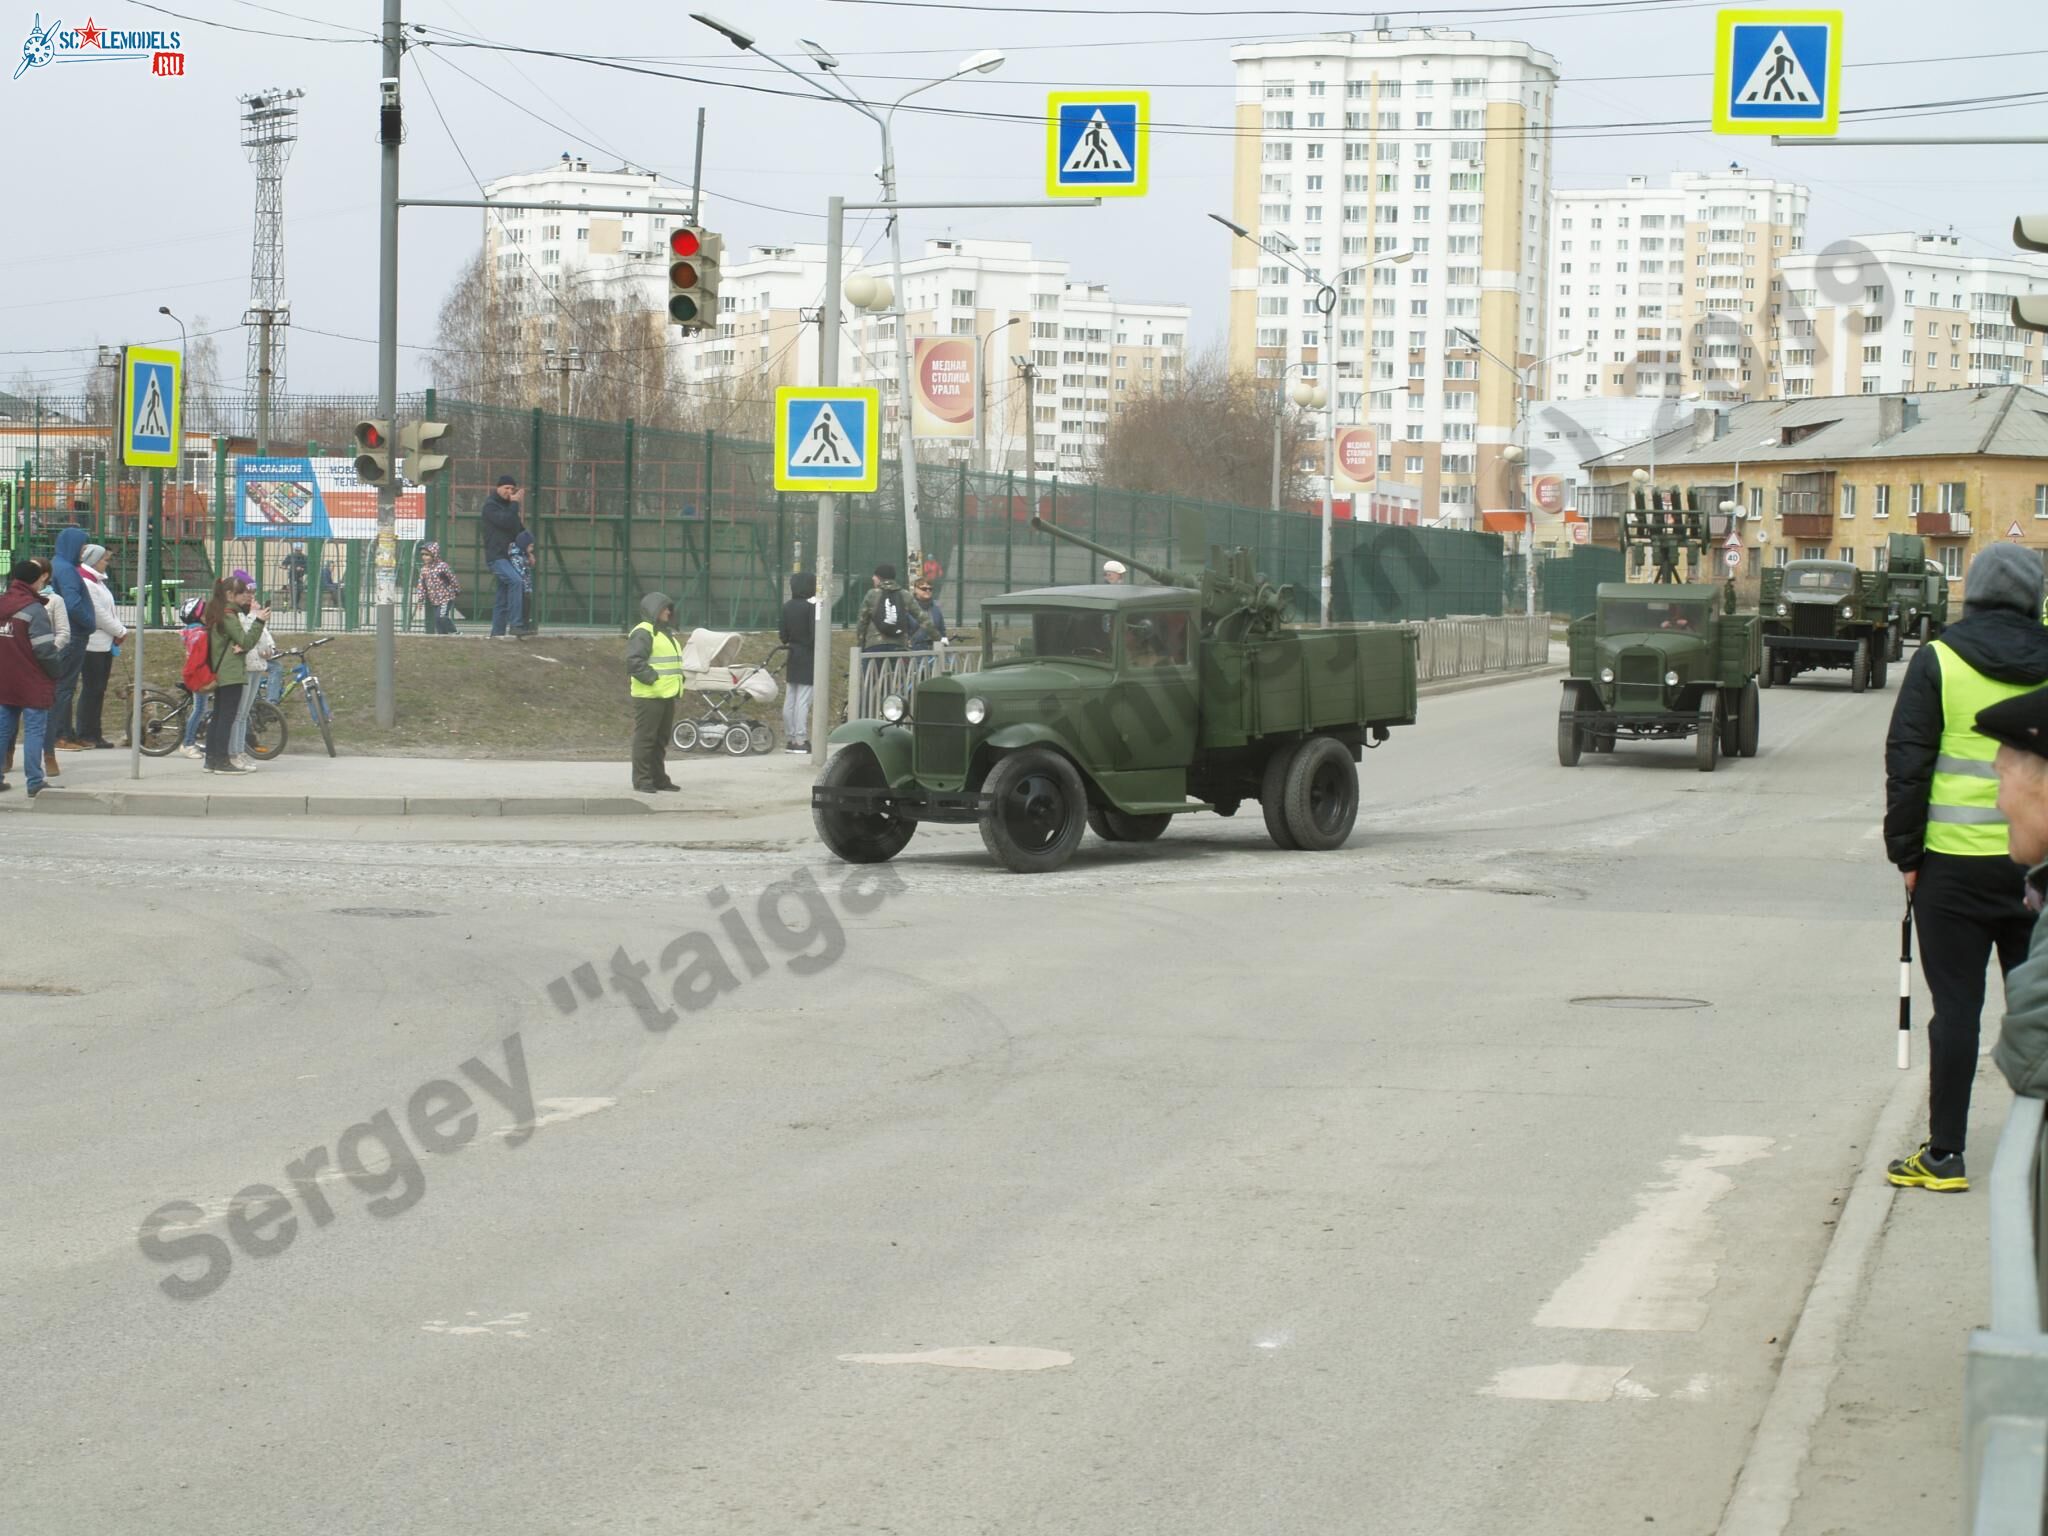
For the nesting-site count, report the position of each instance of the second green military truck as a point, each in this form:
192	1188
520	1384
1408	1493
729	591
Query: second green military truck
1918	589
1826	614
1663	660
1118	708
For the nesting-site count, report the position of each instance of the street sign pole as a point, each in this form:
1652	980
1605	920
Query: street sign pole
828	373
389	134
141	578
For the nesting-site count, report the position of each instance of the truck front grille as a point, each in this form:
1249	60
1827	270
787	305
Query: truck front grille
940	750
1813	621
1638	667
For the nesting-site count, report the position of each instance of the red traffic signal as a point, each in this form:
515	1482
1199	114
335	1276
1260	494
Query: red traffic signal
693	277
684	242
369	436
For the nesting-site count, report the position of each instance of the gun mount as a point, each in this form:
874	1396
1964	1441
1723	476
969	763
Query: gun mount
1664	535
1237	603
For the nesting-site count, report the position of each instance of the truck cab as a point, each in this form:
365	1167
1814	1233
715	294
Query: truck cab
1823	614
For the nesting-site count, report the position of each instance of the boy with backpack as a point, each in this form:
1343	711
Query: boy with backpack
889	611
192	634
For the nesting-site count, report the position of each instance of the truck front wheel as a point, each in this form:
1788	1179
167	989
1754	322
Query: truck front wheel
1321	794
1038	808
1859	668
859	837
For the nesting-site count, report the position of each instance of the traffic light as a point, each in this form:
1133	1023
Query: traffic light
693	277
417	441
373	452
2030	233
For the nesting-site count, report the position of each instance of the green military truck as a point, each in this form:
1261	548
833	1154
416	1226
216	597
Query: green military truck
1662	660
1826	614
1118	708
1918	589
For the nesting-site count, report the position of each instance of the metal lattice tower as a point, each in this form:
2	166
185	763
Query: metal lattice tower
270	127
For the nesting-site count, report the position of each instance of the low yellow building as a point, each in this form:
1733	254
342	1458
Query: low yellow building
1830	478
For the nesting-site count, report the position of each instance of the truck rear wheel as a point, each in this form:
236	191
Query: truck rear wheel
1114	826
1896	651
1859	668
859	837
1769	675
1707	741
1750	714
1571	741
1321	794
1880	667
1926	628
1273	795
1038	808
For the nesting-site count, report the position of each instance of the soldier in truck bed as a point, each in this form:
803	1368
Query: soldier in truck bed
1943	830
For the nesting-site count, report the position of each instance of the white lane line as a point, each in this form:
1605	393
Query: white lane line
1768	1485
1565	1383
974	1357
1653	1274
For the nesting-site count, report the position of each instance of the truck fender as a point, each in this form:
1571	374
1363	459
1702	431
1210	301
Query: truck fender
1025	734
891	745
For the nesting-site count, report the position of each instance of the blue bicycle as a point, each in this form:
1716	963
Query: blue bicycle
165	711
304	681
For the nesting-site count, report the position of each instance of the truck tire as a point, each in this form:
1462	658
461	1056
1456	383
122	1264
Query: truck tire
1769	674
1321	794
1114	826
1707	739
1880	667
1571	741
859	837
1926	628
1273	795
1038	810
1859	668
1896	651
1750	714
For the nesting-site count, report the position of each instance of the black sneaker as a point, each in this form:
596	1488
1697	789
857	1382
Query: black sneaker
1926	1169
224	768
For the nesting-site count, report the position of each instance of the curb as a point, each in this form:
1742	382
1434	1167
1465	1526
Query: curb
156	803
1451	685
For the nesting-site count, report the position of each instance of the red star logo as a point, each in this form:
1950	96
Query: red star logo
89	35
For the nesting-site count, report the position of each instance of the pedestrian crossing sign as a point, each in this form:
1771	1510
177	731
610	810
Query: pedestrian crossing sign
152	401
828	439
1097	144
1778	72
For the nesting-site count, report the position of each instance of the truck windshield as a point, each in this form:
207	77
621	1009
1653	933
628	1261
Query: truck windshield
1040	634
1634	618
1821	580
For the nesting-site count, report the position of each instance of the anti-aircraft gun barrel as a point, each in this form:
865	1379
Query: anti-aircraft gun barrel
1165	578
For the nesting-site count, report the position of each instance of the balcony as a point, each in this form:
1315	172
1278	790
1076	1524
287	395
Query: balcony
1942	525
1808	525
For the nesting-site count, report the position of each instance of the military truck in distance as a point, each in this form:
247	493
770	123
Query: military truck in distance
1663	660
1118	708
1822	614
1918	588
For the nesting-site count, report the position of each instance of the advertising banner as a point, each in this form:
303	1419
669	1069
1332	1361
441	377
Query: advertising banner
1549	492
943	386
1358	459
305	498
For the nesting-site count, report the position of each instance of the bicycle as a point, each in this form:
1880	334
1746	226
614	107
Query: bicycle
164	713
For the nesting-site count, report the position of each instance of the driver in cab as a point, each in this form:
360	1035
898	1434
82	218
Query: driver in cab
1678	621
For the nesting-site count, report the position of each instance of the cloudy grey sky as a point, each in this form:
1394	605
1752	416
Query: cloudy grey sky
130	192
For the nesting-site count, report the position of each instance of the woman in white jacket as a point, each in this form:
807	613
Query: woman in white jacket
108	632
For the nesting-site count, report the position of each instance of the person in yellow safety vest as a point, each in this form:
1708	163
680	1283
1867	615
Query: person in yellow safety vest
1945	832
654	660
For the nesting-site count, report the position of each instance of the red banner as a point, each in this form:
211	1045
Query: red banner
942	384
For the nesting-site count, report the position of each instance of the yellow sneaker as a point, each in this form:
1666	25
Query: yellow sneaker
1925	1170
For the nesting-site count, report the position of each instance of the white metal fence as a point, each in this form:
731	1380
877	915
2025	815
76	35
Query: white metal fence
1468	647
2005	1375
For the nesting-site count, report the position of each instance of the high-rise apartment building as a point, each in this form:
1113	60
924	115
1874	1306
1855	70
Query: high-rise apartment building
621	256
1086	354
1671	290
1362	145
1891	313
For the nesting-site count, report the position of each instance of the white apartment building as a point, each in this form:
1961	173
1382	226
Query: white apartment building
1087	353
1362	145
622	256
1671	290
1893	313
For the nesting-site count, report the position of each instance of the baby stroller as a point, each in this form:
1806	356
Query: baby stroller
708	669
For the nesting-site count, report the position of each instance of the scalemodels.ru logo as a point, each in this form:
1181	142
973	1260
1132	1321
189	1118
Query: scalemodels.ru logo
92	43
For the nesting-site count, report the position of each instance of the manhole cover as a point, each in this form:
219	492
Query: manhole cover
35	989
1645	1004
383	912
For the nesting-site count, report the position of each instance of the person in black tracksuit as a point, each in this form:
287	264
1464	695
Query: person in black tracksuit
1968	899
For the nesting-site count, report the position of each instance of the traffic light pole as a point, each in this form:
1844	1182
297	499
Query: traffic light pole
828	375
386	562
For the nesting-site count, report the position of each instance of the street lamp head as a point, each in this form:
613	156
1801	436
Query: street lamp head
1280	240
1234	228
819	55
1640	476
859	290
1019	360
740	40
986	62
1514	453
1730	509
1402	257
163	309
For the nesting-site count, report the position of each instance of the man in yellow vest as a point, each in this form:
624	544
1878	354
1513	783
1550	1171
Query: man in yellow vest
654	660
1945	832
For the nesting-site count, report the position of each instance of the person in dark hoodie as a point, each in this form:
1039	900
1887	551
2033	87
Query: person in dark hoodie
654	661
502	524
29	661
1944	831
71	589
799	631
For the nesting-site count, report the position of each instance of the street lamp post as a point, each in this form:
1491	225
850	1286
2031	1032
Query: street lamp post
1302	393
982	63
1517	452
981	408
142	581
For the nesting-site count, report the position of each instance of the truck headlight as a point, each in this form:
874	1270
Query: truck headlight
1848	612
977	711
1670	679
1607	674
893	708
1783	610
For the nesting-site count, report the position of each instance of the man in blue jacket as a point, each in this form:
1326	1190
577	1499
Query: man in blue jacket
501	525
77	602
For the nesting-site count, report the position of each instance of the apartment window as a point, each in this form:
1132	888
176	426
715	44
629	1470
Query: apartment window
1460	400
1873	354
1881	501
1872	323
963	325
1277	152
1915	499
1848	501
1952	496
1874	294
1952	562
1466	87
1422	181
2041	501
1279	122
1279	90
1413	464
1315	87
963	298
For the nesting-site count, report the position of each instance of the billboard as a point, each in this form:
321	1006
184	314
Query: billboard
302	498
1358	459
1548	491
943	386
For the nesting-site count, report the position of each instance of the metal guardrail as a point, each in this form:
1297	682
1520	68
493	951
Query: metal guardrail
871	676
2005	1375
1468	647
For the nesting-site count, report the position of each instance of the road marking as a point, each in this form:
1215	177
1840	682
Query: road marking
1565	1383
511	1326
1652	1274
1768	1484
557	1111
974	1357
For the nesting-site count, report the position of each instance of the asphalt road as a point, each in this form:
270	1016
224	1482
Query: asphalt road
1282	1192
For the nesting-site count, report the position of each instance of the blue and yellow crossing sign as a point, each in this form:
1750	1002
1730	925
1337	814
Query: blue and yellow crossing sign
1098	143
152	403
1778	72
828	438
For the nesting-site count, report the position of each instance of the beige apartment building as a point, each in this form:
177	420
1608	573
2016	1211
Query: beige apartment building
1665	291
1353	148
1830	478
